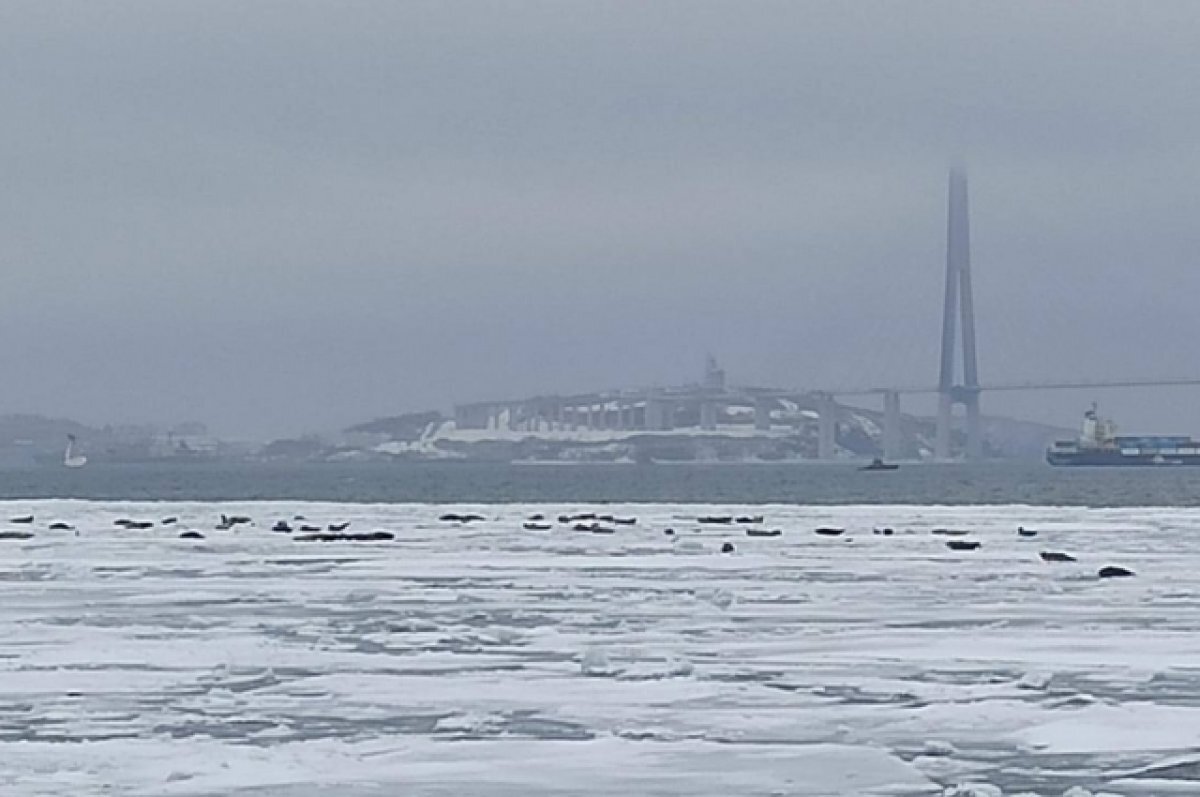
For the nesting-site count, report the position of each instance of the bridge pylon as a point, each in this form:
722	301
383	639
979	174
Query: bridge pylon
958	305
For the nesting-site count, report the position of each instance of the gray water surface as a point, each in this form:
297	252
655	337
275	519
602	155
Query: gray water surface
998	482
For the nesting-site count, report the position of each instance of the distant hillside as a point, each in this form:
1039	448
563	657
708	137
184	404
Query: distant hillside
405	427
38	430
792	436
27	438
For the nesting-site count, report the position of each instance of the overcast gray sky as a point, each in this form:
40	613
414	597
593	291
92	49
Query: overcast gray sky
280	216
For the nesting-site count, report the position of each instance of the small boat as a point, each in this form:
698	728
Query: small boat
879	464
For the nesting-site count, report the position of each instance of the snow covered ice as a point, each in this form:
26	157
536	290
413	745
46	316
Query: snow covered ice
486	659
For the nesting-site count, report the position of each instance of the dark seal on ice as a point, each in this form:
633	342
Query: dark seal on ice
962	545
451	517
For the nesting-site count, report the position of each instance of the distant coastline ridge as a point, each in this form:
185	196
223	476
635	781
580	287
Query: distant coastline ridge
706	421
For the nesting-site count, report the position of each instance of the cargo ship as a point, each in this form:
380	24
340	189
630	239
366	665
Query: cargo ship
1099	445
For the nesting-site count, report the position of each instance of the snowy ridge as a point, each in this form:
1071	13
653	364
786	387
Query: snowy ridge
486	659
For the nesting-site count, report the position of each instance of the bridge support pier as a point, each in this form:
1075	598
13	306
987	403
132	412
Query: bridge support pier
974	428
762	415
941	444
891	425
660	415
826	428
969	398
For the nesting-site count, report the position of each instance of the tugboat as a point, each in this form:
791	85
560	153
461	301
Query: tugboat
1099	444
879	464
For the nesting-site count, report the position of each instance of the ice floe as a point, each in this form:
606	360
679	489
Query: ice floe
481	659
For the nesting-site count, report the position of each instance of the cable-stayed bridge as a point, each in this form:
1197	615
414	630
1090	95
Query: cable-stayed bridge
701	407
1022	386
891	397
958	328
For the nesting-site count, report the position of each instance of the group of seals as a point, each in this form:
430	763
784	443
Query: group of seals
726	520
334	531
568	519
365	536
1109	571
593	523
583	522
283	527
58	525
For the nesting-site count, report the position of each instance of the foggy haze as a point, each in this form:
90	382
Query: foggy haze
277	217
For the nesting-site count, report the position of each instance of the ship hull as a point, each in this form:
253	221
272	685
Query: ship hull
1115	459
